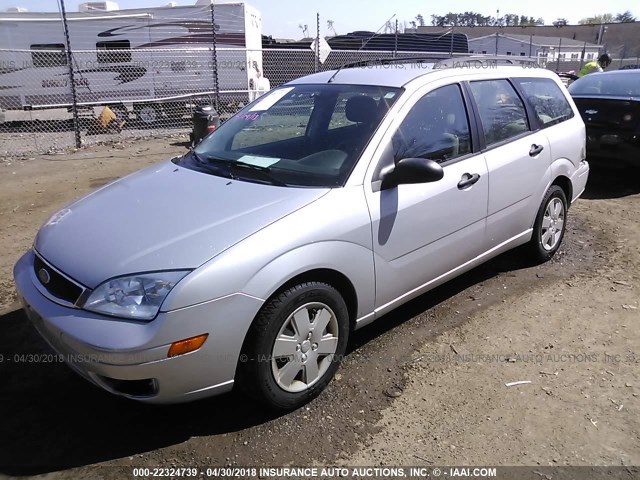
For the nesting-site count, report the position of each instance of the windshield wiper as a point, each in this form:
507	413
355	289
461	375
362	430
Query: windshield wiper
207	166
265	172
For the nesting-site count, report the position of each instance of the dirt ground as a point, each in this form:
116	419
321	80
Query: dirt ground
423	386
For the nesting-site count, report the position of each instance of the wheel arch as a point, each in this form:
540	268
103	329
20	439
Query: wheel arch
336	279
565	184
332	277
561	172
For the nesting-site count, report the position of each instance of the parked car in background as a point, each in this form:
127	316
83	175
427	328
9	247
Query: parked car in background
609	103
315	210
567	77
630	67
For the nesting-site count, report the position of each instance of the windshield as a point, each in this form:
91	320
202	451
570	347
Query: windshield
302	135
624	84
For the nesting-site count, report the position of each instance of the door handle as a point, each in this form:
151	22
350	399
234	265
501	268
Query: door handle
535	150
467	180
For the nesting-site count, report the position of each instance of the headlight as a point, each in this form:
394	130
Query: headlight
137	296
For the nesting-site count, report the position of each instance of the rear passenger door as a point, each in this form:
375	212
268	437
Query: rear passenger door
517	157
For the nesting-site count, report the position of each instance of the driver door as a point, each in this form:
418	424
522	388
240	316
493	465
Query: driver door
421	232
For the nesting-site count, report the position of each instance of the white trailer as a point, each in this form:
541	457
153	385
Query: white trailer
136	57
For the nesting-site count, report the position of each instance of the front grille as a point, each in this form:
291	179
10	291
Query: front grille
57	285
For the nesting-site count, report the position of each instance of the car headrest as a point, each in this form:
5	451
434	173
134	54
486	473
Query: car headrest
361	109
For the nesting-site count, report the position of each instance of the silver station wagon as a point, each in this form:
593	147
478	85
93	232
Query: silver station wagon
312	212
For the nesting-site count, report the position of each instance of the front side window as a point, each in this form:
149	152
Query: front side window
48	55
436	128
300	135
548	101
502	112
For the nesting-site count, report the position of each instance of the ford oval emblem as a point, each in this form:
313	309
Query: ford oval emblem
44	276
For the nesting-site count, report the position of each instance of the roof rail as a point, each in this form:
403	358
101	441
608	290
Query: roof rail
487	61
388	61
441	61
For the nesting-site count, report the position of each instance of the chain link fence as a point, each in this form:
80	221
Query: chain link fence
81	79
155	92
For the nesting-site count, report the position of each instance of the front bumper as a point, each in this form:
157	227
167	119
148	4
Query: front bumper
119	354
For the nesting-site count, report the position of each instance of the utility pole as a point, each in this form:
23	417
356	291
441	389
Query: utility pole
395	48
558	59
317	59
74	96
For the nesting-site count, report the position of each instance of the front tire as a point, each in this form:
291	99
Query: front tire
295	345
550	225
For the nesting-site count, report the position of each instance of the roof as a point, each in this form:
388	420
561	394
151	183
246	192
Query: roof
399	75
539	40
380	75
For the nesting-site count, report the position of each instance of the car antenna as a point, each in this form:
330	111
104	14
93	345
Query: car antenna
334	75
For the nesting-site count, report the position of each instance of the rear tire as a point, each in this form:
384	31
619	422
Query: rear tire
550	225
294	346
148	114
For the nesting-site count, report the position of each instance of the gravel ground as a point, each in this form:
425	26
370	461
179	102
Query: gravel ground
424	385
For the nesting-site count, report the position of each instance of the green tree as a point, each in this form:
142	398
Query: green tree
625	17
598	19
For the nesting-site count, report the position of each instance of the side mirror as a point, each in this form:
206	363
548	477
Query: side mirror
411	170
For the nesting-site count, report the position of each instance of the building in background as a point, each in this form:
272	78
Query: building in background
545	49
620	40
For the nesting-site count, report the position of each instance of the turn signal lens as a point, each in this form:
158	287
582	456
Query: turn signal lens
187	345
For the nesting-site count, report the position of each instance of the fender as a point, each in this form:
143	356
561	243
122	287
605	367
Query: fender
560	167
351	260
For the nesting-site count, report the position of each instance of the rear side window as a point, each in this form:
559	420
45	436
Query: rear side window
501	110
548	101
436	128
623	84
118	51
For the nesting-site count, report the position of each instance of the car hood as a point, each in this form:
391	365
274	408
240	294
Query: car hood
161	218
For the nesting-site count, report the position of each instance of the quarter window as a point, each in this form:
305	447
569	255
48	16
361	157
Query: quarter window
501	110
436	128
547	100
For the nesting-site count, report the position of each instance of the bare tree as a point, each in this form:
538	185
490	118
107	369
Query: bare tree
420	20
389	27
305	30
331	27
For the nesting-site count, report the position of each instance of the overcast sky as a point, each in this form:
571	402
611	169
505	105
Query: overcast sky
282	17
